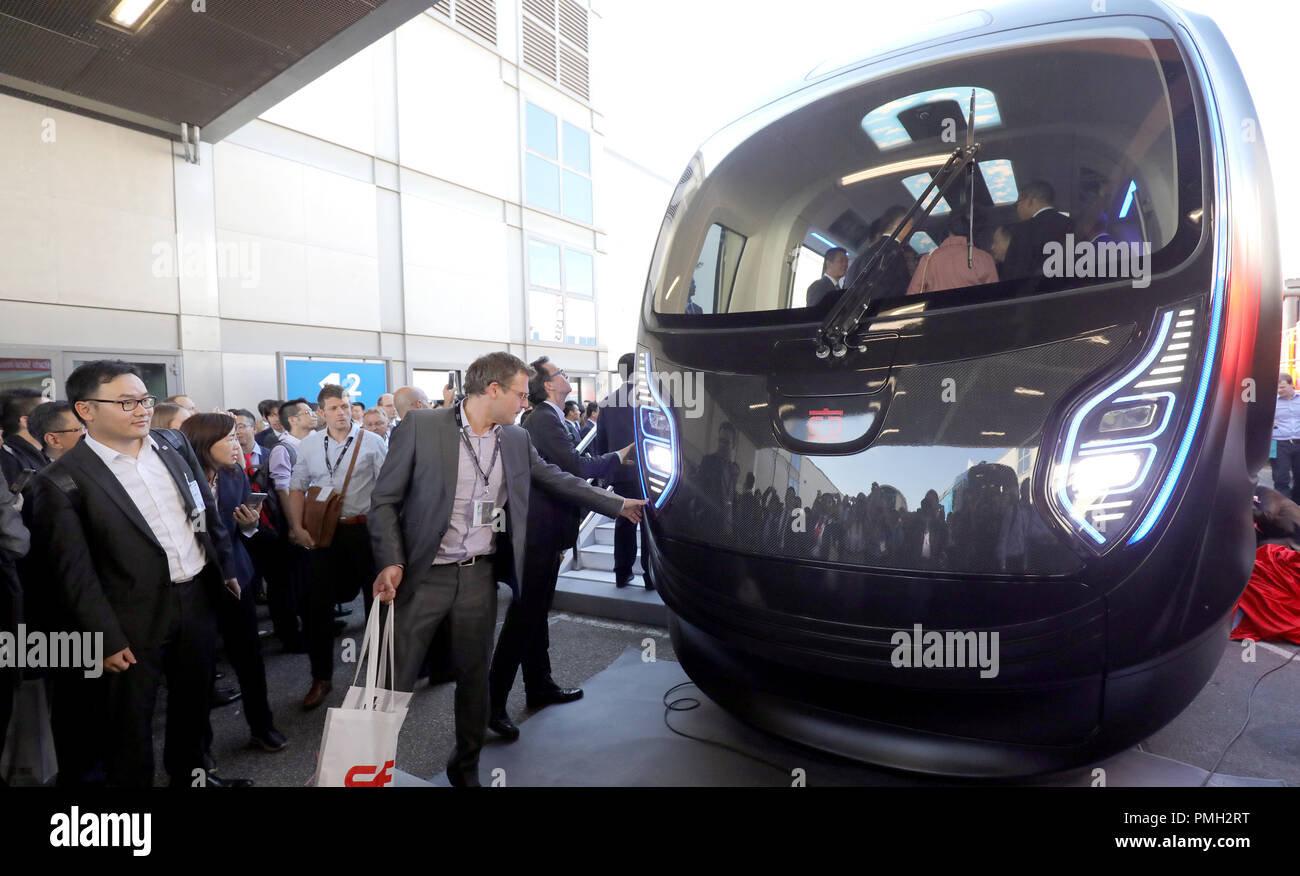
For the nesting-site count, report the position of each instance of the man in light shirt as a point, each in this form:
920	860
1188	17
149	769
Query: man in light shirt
1286	432
326	460
288	601
139	556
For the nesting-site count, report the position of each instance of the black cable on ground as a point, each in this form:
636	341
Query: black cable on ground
1249	700
686	704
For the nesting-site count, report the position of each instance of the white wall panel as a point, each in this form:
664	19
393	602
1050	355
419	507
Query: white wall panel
280	291
456	283
338	107
457	117
247	378
258	194
342	289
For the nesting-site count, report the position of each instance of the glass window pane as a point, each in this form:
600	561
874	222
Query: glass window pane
577	272
541	131
543	264
543	183
577	149
545	316
577	197
580	321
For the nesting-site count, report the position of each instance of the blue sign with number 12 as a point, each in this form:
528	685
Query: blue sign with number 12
364	381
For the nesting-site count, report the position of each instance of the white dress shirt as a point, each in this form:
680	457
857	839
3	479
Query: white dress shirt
311	470
1286	418
149	483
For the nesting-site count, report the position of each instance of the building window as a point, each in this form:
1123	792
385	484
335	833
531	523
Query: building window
555	43
561	307
479	17
557	165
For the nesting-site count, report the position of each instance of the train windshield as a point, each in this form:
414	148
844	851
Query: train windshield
1088	170
921	448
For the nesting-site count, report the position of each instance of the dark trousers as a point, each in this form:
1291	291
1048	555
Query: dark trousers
1285	468
337	572
525	635
237	622
78	712
625	535
466	596
185	659
274	560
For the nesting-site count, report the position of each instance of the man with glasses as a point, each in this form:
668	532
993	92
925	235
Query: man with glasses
552	528
139	555
56	427
289	607
448	520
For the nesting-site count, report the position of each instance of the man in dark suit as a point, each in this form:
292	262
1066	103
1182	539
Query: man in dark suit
552	528
1040	223
448	519
617	429
891	273
270	410
138	554
834	264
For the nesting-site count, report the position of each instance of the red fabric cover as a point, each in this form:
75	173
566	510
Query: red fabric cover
1272	598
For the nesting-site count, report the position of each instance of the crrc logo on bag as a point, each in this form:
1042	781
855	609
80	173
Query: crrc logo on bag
381	776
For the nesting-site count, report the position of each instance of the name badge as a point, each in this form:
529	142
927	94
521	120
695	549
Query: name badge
483	512
324	494
197	496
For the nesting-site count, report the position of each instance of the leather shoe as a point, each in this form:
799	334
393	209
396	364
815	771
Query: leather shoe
553	695
319	691
460	781
271	740
623	582
224	696
501	725
218	782
649	585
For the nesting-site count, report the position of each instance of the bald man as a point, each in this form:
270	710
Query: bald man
410	398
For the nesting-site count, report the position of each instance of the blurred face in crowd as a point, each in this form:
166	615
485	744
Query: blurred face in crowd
186	402
337	413
1285	389
181	416
244	433
66	433
227	451
373	422
107	421
837	266
358	410
386	405
303	420
273	420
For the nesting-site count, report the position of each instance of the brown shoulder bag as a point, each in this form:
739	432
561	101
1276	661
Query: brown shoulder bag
320	519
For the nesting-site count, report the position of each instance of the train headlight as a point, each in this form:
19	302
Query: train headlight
656	432
1105	473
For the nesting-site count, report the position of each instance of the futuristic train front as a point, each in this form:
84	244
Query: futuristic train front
1000	529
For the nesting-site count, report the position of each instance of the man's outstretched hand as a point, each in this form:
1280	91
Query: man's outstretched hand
632	509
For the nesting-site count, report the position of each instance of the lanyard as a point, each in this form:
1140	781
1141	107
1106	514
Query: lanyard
474	456
342	453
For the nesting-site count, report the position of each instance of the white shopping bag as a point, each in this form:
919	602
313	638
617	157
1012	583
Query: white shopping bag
359	745
29	749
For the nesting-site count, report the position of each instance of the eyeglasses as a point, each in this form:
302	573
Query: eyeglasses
128	404
521	395
558	373
63	431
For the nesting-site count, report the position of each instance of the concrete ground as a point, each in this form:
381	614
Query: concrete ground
582	646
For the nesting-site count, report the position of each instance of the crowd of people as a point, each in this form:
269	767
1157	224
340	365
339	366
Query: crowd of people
162	527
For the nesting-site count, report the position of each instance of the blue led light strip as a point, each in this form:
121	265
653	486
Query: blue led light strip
672	437
1063	492
1216	302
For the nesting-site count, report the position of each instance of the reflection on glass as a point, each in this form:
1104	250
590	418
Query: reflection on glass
577	149
543	264
541	131
577	197
543	187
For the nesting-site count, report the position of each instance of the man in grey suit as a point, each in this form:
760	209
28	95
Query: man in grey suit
454	480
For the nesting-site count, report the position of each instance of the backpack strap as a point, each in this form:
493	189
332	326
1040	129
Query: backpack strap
61	479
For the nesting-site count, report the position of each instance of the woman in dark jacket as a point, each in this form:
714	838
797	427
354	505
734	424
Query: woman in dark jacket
218	450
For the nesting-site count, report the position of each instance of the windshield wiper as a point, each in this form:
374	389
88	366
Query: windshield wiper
847	313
